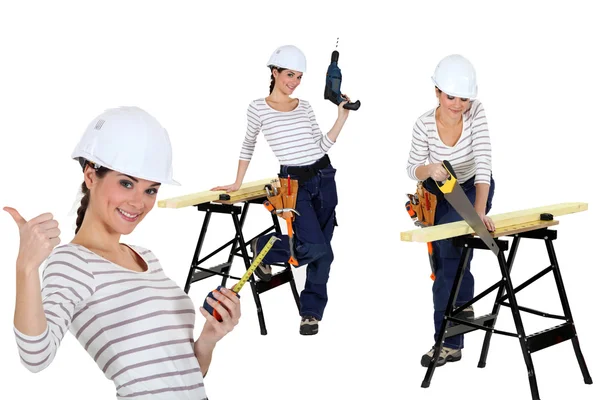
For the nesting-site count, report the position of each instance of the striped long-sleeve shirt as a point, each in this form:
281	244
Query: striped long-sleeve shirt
470	156
294	136
137	326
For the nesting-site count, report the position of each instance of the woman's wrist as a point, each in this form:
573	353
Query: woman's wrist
427	169
479	208
25	270
204	345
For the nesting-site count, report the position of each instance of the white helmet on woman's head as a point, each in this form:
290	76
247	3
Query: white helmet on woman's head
455	75
130	141
288	57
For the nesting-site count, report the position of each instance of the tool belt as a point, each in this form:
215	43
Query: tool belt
305	172
423	203
284	196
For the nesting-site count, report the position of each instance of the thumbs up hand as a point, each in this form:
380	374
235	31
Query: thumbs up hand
37	238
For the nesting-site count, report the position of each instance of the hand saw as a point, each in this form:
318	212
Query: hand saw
461	203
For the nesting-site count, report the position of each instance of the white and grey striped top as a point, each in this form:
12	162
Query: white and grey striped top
470	156
294	136
138	326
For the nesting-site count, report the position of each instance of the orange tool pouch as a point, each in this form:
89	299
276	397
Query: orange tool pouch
276	199
286	196
421	208
427	203
289	193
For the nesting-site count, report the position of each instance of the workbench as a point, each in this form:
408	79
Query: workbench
236	204
527	224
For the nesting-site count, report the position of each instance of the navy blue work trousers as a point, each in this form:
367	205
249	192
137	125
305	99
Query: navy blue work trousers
313	231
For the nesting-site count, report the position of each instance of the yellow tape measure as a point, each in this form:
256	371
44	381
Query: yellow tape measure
254	265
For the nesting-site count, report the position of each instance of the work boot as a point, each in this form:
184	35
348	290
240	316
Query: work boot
263	271
309	325
446	355
466	314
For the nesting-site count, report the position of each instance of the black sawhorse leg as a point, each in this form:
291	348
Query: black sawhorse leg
567	310
496	308
529	344
448	313
238	248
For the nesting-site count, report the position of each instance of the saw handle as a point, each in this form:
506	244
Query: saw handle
449	168
448	185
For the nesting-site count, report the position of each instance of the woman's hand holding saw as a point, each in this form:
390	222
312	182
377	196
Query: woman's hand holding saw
437	172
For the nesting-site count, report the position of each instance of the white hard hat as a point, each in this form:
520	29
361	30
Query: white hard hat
130	141
288	57
455	75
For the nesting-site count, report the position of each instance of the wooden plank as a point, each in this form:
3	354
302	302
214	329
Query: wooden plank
460	228
208	196
520	228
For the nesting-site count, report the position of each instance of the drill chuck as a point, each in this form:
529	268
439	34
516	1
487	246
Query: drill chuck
335	56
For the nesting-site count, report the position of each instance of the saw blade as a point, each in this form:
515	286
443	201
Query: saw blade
461	203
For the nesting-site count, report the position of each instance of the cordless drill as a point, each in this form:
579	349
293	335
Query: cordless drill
333	84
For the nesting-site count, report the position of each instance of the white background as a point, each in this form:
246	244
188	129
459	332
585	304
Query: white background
196	67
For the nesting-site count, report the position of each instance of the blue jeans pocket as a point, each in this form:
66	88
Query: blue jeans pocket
328	188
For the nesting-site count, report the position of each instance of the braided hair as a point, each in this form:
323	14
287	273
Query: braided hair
85	201
272	86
